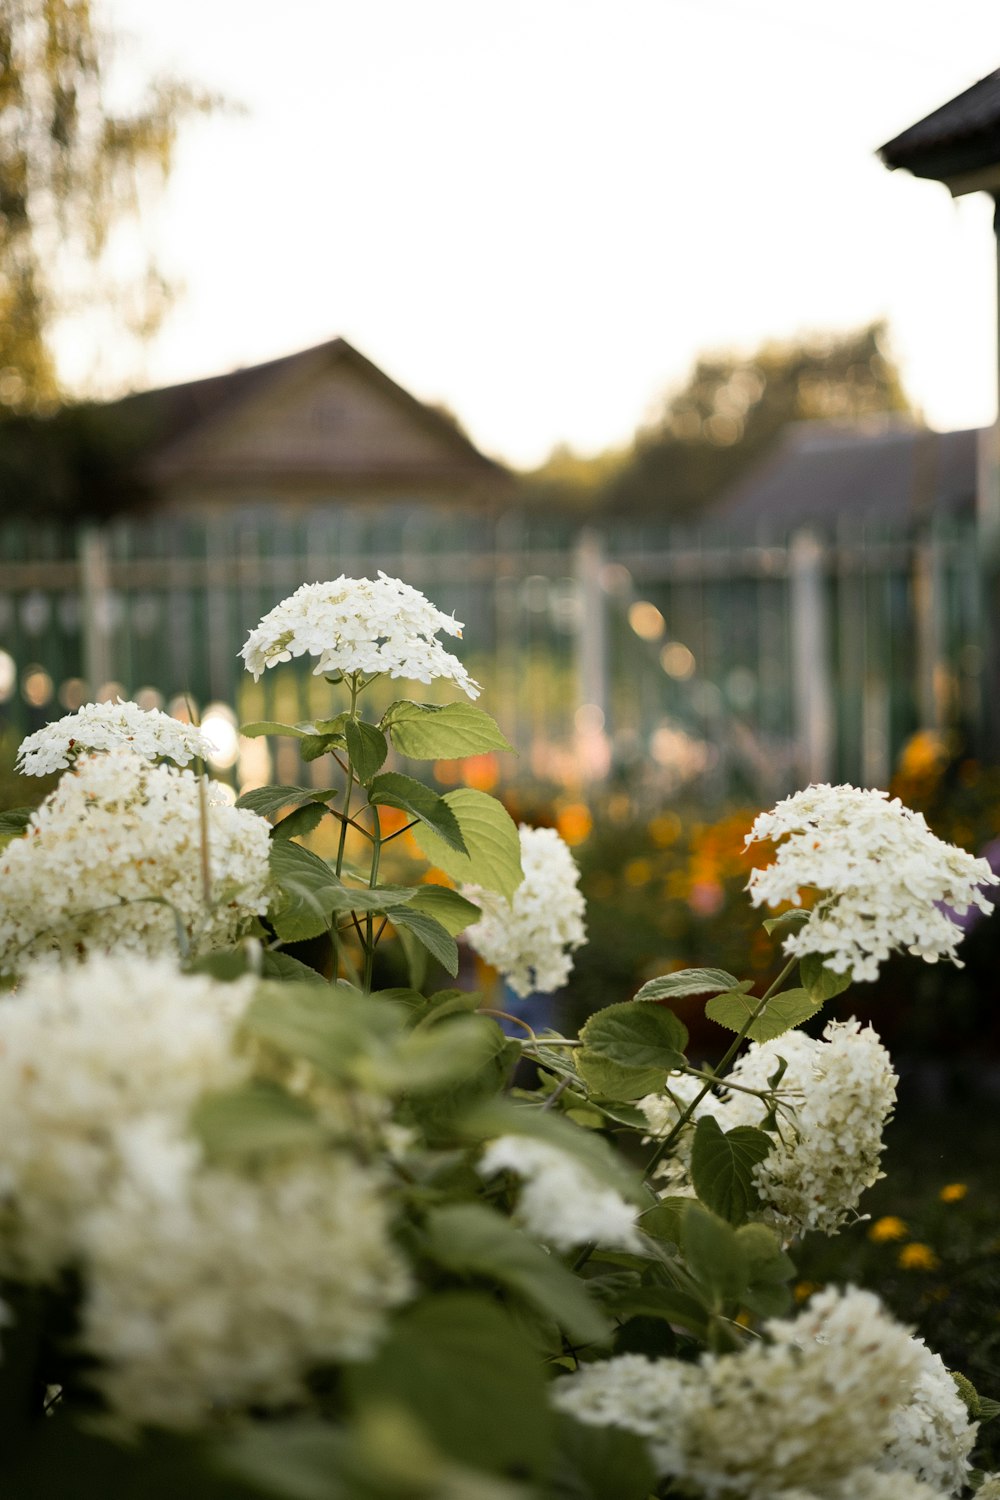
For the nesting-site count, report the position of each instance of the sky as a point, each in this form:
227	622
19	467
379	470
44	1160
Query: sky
540	212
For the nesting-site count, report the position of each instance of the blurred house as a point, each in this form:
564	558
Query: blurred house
322	425
822	473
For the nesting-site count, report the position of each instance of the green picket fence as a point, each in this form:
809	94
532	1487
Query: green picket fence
736	665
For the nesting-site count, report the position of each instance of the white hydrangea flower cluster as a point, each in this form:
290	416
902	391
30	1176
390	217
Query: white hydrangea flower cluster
87	1054
530	940
225	1294
885	881
561	1202
839	1093
932	1434
203	1288
990	1488
811	1412
105	726
359	625
116	838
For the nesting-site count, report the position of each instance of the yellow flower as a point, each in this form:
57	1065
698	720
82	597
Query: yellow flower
953	1192
918	1257
889	1228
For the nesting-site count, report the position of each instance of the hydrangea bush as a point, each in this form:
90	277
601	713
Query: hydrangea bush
272	1231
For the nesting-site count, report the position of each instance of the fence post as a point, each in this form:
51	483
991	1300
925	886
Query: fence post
812	688
92	559
592	646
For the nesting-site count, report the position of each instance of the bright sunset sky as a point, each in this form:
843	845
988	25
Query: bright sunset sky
540	211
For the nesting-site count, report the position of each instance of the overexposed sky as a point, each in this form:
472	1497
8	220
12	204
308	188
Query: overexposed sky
540	211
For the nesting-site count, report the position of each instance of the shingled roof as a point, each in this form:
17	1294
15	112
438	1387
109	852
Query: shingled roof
824	473
960	138
174	431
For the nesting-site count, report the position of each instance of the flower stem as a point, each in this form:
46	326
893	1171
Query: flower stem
350	782
720	1071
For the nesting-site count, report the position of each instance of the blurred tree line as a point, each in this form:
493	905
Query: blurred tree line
727	415
73	168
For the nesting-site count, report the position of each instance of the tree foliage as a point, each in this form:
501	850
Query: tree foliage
72	167
724	418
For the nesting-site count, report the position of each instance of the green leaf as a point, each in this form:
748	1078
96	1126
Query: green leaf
433	1058
307	895
663	1220
787	921
267	800
453	911
688	982
722	1164
254	1120
473	1240
15	820
424	731
783	1012
268	726
492	842
670	1304
432	934
278	965
362	898
329	1026
394	790
767	1269
599	1463
367	747
629	1050
712	1254
300	822
457	1364
822	983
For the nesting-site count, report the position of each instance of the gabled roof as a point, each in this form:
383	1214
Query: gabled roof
960	138
825	473
169	427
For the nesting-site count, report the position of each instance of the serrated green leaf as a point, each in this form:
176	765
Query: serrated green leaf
473	1240
492	842
367	747
722	1164
689	982
278	965
382	898
712	1254
786	921
432	1365
431	934
300	822
253	1120
307	892
267	800
393	790
822	983
446	906
783	1012
424	731
629	1049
